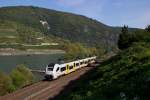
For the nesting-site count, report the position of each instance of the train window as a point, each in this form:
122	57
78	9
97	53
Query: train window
77	64
51	65
81	63
50	69
57	69
63	69
70	67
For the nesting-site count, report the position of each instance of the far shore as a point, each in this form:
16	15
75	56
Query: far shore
14	52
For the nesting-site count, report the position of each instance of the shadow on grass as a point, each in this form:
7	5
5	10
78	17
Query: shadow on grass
77	84
73	85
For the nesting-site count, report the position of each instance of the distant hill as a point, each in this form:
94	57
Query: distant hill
75	28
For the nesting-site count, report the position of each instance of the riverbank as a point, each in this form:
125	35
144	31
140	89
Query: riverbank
14	52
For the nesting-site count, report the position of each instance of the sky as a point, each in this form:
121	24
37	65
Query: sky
134	13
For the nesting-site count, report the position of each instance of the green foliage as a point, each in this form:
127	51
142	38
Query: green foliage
124	30
21	76
147	28
27	35
77	50
6	85
126	39
18	78
124	76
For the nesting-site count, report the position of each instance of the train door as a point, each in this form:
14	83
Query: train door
67	69
74	66
58	71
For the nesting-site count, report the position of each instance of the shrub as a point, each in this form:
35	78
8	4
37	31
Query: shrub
18	78
77	50
127	39
6	85
21	76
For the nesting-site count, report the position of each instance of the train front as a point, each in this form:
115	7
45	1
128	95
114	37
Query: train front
49	73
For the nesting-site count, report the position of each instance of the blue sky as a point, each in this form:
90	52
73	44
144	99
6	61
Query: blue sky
134	13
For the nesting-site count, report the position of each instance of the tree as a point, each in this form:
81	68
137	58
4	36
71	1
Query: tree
124	38
77	50
21	76
124	29
6	85
147	28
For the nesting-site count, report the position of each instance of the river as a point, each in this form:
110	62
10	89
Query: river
7	63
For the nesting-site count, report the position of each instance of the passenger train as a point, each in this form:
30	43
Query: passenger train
53	71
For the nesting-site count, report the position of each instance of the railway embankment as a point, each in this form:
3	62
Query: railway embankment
45	90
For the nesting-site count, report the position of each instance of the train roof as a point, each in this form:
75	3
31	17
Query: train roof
51	65
64	62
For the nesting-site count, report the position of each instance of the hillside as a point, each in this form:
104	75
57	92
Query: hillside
58	26
125	76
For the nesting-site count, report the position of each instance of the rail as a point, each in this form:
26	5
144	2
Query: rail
39	71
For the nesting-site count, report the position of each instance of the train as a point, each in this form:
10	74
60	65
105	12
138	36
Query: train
55	70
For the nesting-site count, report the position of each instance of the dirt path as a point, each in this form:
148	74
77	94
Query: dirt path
44	90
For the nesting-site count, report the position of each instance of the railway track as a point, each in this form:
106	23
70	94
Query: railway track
44	90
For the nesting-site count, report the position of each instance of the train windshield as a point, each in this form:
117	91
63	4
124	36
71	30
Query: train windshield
51	67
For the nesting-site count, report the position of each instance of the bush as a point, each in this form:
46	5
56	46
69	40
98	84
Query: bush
21	76
127	39
6	85
77	50
18	78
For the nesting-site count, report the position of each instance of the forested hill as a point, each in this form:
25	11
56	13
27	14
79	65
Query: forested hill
64	25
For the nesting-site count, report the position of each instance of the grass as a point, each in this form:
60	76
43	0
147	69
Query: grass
7	32
126	74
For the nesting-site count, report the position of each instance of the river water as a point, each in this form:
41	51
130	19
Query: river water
37	62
